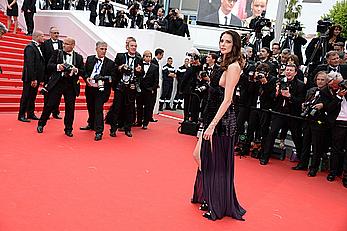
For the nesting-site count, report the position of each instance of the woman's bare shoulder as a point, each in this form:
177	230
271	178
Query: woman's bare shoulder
234	66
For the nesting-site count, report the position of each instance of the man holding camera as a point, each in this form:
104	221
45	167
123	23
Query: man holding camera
169	74
335	104
294	41
66	66
127	83
106	14
33	75
99	72
290	94
178	100
158	22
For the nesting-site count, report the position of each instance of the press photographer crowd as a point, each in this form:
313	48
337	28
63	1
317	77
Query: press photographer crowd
143	14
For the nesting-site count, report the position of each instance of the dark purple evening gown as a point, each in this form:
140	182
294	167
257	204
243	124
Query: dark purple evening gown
217	160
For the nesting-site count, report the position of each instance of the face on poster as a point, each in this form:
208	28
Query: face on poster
237	13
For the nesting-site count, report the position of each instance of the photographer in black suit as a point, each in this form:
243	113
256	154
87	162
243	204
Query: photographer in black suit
106	14
128	72
29	9
335	104
290	94
67	66
33	75
149	82
294	42
50	45
99	72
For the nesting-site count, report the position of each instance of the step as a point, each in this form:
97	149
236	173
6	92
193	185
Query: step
12	68
11	49
8	61
11	82
39	99
17	90
14	38
12	44
19	56
11	75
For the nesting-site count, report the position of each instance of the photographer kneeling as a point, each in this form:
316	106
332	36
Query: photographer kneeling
335	104
315	128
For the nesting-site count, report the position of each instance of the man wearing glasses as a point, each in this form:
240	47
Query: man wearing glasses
50	45
66	66
224	16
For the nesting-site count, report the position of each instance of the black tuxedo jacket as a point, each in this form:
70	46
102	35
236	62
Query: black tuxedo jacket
107	69
342	69
29	5
155	61
34	64
331	104
298	42
150	80
122	58
47	50
58	58
214	19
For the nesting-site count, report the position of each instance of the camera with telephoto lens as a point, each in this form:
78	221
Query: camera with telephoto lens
308	109
294	27
126	70
100	80
343	84
284	83
260	75
67	68
324	25
201	88
259	22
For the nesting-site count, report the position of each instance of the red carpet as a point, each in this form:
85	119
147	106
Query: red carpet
51	182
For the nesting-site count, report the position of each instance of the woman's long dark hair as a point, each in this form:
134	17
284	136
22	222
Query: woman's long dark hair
331	31
235	54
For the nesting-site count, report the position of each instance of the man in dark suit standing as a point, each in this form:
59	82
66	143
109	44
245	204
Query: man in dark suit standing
67	66
33	75
50	45
129	69
98	68
29	9
149	83
223	16
294	42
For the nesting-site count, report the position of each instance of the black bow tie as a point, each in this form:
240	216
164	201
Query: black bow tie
54	42
334	69
66	54
97	59
146	64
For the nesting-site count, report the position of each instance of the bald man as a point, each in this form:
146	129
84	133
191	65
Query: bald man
67	66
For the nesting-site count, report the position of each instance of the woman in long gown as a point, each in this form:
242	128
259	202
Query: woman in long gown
217	145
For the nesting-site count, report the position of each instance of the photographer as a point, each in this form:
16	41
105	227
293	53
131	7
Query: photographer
178	100
136	15
290	94
315	128
169	74
158	22
121	20
265	89
265	57
335	104
106	14
294	41
99	72
126	85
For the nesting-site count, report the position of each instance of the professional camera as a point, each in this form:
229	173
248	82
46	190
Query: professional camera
148	3
67	67
193	55
201	88
343	84
308	109
323	25
284	83
261	75
295	26
126	70
99	79
259	22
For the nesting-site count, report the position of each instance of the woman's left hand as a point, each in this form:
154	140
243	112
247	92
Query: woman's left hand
208	133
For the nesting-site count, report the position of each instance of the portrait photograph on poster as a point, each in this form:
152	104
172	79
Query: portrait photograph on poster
235	13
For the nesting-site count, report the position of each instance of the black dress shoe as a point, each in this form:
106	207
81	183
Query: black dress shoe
137	124
128	134
23	119
312	173
331	177
153	120
39	129
98	136
33	117
57	116
88	127
344	182
299	167
145	127
263	162
207	215
113	133
204	206
69	133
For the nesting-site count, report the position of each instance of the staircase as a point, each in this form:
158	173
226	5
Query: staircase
11	62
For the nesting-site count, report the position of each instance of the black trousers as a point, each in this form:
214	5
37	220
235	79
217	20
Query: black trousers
95	104
27	101
56	109
144	109
278	122
258	126
166	91
191	107
153	101
124	104
338	149
29	21
242	117
63	87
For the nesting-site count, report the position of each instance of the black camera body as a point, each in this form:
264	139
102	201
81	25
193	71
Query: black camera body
99	79
261	75
284	83
67	68
323	25
259	22
294	27
126	70
308	110
343	84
